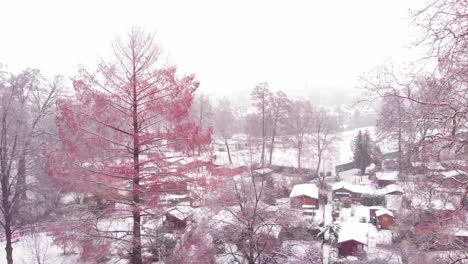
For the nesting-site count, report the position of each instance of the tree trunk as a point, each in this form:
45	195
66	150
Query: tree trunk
228	151
272	143
136	257
299	154
200	121
322	253
6	191
7	218
21	184
8	247
319	162
262	158
400	160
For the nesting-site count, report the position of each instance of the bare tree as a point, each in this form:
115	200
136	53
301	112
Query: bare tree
25	100
277	106
202	114
324	129
224	124
260	97
247	227
299	125
435	93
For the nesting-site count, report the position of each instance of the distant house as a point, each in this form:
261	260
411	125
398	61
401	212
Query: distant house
343	189
226	171
236	143
304	196
262	172
352	238
177	217
385	178
384	218
167	198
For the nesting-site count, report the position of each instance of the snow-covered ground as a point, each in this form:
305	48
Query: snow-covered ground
38	248
283	156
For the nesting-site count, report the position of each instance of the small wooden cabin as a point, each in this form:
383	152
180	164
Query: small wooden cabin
352	239
384	218
177	217
304	196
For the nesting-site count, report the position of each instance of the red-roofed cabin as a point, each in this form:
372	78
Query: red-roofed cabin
350	248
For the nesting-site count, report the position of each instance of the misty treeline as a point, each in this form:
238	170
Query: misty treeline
273	120
89	167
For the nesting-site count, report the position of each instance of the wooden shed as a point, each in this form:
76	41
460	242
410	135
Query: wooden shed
352	239
384	218
177	217
304	196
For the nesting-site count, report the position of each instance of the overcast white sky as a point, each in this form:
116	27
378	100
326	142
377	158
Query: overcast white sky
307	48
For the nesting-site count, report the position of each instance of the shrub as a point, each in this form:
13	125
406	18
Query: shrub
347	203
372	200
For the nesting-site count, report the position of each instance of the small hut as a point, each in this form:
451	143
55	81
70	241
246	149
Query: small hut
177	217
304	196
352	239
384	218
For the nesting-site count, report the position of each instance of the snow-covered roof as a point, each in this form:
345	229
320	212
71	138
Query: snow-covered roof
307	189
181	212
353	188
382	212
342	184
353	231
460	232
387	175
389	189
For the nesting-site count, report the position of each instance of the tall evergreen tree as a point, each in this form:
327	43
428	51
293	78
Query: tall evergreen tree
362	151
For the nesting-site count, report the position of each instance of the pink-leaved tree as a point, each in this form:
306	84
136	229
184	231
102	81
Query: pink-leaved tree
120	135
